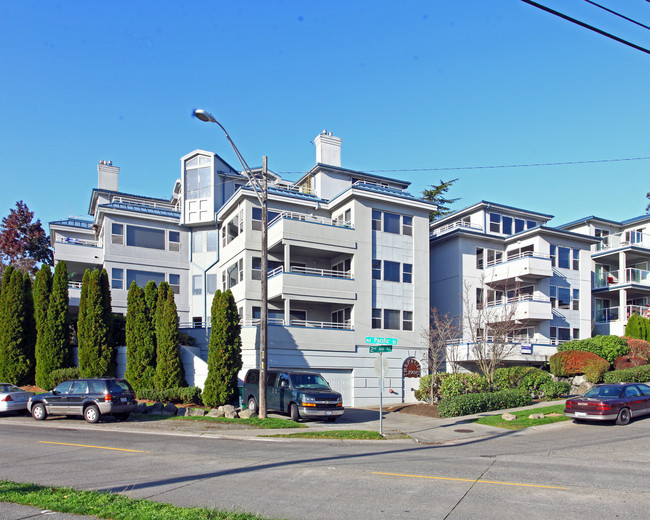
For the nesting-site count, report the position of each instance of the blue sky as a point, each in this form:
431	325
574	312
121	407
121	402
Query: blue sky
407	86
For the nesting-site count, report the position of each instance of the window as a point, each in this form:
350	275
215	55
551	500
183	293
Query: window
521	252
117	279
197	322
563	298
391	223
198	177
256	218
212	239
234	274
142	277
563	257
495	223
576	333
407	225
479	258
145	237
197	285
576	259
342	316
117	234
174	241
256	268
376	269
391	319
211	284
553	255
407	320
407	273
376	220
563	333
479	298
376	318
553	296
519	225
197	242
175	283
530	224
494	257
576	299
391	271
506	223
234	227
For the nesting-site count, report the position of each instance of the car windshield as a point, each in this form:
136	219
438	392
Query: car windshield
309	381
5	389
611	392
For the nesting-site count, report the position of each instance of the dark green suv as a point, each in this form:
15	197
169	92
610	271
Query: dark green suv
90	398
303	395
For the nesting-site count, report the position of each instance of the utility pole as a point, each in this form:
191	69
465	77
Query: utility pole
264	316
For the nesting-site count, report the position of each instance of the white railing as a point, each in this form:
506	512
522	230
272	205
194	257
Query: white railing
144	202
454	225
320	324
517	299
535	340
77	242
306	217
509	257
613	313
74	285
313	271
632	275
379	185
627	238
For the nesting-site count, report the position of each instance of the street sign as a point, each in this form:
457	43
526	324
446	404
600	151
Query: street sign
370	340
381	366
380	348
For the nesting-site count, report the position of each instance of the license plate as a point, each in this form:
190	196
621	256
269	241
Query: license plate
581	414
328	412
123	399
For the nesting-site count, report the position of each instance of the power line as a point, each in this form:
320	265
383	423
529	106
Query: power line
587	26
618	14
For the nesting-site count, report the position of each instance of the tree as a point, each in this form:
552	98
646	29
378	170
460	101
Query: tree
169	368
15	364
224	354
30	327
23	243
42	291
637	327
444	330
436	194
56	340
140	344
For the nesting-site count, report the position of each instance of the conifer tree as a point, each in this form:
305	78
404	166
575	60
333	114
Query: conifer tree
224	356
169	368
30	327
140	346
634	326
14	363
82	333
151	299
95	348
436	194
42	291
107	311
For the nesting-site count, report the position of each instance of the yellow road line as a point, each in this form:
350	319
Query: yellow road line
469	480
96	447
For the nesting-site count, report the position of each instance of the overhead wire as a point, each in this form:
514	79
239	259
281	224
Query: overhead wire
617	14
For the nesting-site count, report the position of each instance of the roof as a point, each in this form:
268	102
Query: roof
73	222
142	209
594	218
353	172
487	204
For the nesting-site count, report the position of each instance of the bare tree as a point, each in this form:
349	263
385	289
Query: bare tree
491	324
443	332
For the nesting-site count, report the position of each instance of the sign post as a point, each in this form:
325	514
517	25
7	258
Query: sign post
379	346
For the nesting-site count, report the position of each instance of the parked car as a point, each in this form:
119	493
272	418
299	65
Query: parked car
300	394
90	398
610	402
13	398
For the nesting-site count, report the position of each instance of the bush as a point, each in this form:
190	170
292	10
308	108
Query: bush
594	369
570	362
555	389
638	348
190	394
630	375
424	392
607	347
63	374
524	378
460	384
623	362
482	402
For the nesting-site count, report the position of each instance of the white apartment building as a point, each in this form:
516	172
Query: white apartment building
348	260
620	266
505	258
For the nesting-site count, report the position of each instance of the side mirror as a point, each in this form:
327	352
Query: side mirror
53	391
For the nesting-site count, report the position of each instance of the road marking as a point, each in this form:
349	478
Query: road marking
469	480
96	447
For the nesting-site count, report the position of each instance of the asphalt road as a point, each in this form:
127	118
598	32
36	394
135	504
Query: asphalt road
558	471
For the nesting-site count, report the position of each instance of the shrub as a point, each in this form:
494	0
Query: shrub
555	389
482	402
63	374
460	384
191	394
524	378
623	362
425	391
629	375
607	347
594	369
639	348
570	362
636	327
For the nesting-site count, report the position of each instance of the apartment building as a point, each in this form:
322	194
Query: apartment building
620	270
348	260
505	259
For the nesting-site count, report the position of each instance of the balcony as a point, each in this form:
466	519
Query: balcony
526	265
612	279
447	228
310	229
526	308
311	284
626	239
78	250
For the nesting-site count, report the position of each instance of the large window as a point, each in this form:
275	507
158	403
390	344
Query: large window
391	271
197	242
145	237
565	298
565	257
198	178
233	274
392	223
141	278
392	319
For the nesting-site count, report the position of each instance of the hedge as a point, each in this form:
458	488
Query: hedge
190	394
639	348
482	402
607	347
63	374
524	378
460	384
571	362
629	375
623	362
555	389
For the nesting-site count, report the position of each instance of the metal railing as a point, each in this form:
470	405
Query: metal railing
626	238
74	285
509	257
313	271
77	242
632	275
147	203
313	324
517	299
612	314
454	225
306	217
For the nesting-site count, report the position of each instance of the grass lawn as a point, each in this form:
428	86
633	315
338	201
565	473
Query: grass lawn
107	505
522	420
270	423
333	434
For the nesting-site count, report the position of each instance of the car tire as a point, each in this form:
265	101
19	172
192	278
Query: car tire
91	414
624	416
331	419
39	412
252	404
293	412
121	416
578	421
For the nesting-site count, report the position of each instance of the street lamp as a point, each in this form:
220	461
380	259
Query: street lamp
261	193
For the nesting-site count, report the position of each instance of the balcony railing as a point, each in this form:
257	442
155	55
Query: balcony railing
312	324
312	271
77	242
632	275
74	285
305	217
509	257
517	299
454	225
612	314
627	238
144	202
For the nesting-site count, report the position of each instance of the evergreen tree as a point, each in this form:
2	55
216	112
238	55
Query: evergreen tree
56	339
140	346
42	291
30	327
82	333
437	195
107	312
224	356
634	326
95	348
14	363
151	299
169	368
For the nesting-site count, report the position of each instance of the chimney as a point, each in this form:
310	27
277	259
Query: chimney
107	176
328	149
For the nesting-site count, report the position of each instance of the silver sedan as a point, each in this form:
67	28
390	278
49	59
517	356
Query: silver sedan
13	398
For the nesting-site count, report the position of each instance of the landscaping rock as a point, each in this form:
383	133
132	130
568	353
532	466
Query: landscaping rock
247	414
182	411
198	412
582	387
170	409
536	416
229	411
216	412
142	408
509	417
156	409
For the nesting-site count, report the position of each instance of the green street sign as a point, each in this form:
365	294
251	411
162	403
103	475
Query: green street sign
380	348
370	340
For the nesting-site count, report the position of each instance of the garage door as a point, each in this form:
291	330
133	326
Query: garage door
341	381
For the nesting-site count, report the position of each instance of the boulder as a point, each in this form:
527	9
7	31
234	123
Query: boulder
246	414
229	411
197	412
142	408
170	409
509	417
182	411
582	387
216	412
156	409
536	416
